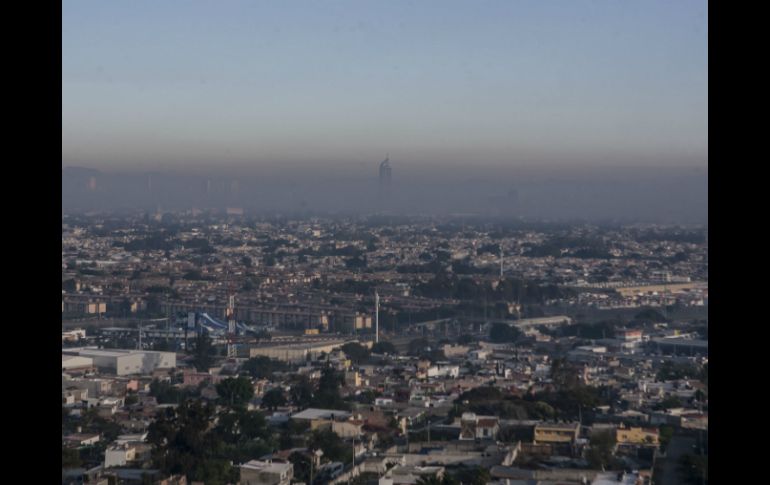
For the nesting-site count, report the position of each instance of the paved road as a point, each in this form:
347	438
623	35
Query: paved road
680	445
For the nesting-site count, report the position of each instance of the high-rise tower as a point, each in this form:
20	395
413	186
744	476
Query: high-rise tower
385	173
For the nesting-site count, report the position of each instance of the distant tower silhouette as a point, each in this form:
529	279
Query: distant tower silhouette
385	175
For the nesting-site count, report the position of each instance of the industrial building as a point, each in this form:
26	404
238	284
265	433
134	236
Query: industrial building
299	352
125	362
73	363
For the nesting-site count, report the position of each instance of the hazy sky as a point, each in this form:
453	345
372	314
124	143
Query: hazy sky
161	83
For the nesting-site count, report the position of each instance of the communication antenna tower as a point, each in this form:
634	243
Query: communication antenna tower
230	314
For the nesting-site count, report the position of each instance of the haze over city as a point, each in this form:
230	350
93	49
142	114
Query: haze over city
469	89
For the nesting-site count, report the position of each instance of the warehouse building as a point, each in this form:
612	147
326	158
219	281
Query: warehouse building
299	352
125	362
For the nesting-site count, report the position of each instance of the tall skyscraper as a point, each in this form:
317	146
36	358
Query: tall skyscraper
385	172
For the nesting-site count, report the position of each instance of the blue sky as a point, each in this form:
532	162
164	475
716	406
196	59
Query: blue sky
156	84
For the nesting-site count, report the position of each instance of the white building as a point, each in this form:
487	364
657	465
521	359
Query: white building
119	455
75	362
257	472
444	370
126	362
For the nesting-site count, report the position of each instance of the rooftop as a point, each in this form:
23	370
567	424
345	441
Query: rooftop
312	413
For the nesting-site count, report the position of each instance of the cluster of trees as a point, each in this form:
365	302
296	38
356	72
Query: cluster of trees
600	454
262	367
235	391
594	331
444	285
671	371
166	393
90	422
186	441
422	348
694	469
203	353
575	247
503	333
488	400
352	286
326	395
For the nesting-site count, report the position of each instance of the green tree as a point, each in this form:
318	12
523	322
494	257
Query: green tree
503	333
693	469
384	348
334	448
302	466
563	374
274	398
235	392
70	458
327	395
262	367
600	453
202	357
301	392
356	352
184	443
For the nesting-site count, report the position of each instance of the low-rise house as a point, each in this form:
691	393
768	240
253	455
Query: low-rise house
256	472
473	427
348	429
637	436
81	439
565	433
119	455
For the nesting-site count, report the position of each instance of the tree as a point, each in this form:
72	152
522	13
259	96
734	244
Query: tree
302	466
301	392
240	426
668	403
235	392
70	458
671	371
203	350
384	348
601	451
334	448
184	443
503	333
356	352
274	398
262	367
693	469
69	285
328	395
563	374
